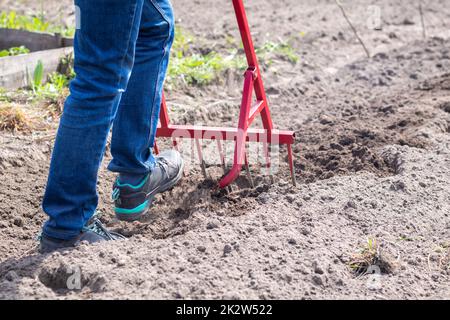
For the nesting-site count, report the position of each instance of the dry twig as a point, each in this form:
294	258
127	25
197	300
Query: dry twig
339	4
422	20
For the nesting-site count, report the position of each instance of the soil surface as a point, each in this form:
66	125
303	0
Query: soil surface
372	164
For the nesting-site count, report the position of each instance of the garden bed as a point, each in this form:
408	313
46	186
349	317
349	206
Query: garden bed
16	71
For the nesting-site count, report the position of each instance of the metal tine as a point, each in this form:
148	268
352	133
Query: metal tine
221	155
268	163
200	156
155	148
222	159
175	144
291	164
247	168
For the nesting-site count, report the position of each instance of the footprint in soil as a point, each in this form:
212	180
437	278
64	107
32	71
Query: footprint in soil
174	212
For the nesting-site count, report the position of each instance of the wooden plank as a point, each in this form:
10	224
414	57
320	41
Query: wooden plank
16	71
34	41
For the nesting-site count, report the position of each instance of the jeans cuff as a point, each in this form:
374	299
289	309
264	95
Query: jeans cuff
59	233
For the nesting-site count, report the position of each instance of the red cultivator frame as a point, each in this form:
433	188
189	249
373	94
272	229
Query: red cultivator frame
248	111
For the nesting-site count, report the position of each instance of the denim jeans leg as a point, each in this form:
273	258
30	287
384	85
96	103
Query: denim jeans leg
134	127
104	56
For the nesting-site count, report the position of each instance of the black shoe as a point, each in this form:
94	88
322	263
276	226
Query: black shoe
131	202
93	232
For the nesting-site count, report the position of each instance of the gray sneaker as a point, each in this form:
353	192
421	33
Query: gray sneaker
131	202
93	232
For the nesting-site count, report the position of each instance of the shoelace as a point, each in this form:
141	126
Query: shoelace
95	225
115	194
163	164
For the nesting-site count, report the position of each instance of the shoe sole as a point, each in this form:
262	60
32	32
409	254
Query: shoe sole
130	217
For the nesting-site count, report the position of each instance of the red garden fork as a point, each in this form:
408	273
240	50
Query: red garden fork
249	110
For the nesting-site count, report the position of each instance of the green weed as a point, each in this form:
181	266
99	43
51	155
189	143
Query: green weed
12	20
55	86
4	97
282	49
199	68
14	51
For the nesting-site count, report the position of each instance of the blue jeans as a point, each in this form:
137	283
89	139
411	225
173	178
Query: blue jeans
121	55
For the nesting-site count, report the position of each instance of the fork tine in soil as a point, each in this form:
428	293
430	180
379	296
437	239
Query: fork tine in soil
291	164
200	157
223	162
249	174
221	155
266	150
175	144
249	110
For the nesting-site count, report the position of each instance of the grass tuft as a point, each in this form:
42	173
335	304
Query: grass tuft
12	118
369	256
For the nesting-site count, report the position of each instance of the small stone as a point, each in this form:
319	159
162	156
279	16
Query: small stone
211	225
346	141
317	280
408	22
194	260
317	268
18	222
305	231
397	186
290	198
445	106
336	146
282	183
350	204
292	241
326	119
121	263
227	249
263	198
201	248
177	295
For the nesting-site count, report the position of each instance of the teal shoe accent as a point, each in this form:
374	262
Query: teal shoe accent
140	185
138	209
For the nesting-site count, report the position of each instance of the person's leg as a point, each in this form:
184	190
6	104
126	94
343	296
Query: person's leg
143	175
134	128
104	53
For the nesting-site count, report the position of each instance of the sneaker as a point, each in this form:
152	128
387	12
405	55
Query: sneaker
93	232
132	202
